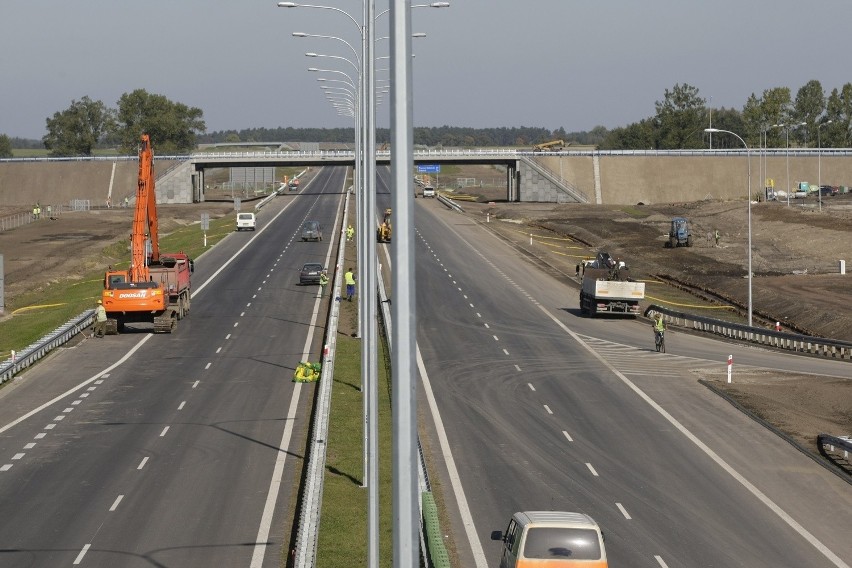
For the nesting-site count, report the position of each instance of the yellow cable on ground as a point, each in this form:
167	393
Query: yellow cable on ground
690	305
28	308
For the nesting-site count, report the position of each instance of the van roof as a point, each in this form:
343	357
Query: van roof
562	518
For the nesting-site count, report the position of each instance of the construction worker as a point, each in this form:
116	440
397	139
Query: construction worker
100	320
716	236
659	324
350	232
323	282
349	277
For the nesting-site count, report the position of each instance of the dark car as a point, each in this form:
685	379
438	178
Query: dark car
310	273
311	231
827	190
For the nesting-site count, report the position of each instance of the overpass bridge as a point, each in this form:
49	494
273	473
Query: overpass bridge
526	178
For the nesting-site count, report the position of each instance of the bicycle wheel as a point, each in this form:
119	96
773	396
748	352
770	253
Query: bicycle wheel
657	342
662	345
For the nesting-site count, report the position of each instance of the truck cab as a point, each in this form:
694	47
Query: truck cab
551	539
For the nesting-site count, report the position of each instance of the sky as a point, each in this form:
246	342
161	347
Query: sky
483	63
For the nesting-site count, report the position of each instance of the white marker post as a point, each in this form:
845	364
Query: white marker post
530	238
730	364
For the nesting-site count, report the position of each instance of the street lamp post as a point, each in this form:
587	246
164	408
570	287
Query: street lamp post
748	159
819	162
787	128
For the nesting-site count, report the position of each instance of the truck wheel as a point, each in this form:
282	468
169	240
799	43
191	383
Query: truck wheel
689	241
672	242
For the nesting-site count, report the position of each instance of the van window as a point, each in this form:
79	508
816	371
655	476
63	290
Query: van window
548	543
512	537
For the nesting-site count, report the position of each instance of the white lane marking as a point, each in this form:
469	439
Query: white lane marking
142	463
91	388
471	305
181	405
195	384
623	511
487	326
75	389
69	409
248	305
29	446
76	402
82	554
478	315
18	456
547	408
40	435
750	487
84	395
242	314
532	388
117	501
6	467
163	433
661	562
50	427
495	338
592	469
449	461
60	417
236	323
207	366
228	336
219	350
518	368
99	381
463	295
567	435
105	375
506	351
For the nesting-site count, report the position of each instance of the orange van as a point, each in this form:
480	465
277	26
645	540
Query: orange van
552	539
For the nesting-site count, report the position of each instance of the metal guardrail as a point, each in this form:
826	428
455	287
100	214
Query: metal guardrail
449	203
35	351
821	346
838	447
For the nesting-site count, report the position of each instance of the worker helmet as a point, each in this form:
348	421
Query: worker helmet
100	301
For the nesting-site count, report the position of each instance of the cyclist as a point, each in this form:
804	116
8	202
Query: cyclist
659	329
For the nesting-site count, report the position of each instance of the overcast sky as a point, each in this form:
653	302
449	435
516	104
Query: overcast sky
484	63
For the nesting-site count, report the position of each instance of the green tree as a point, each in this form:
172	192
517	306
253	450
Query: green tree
637	136
77	130
173	127
809	105
838	134
680	118
5	147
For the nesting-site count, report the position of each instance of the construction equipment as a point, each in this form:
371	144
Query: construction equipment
383	233
608	288
680	233
551	146
156	287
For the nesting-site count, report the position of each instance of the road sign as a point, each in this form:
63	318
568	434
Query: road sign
429	168
205	221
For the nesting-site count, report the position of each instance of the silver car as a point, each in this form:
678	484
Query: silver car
312	231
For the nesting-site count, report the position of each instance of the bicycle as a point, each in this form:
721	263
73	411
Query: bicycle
660	341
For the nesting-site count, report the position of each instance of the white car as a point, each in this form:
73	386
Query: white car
428	191
246	221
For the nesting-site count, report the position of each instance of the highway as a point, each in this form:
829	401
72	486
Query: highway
529	406
147	450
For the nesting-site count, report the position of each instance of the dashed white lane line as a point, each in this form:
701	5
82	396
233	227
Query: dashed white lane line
142	463
661	562
29	446
117	501
532	388
60	417
623	511
592	469
568	436
207	366
495	338
478	315
228	336
248	305
471	305
518	368
18	456
40	435
487	326
181	405
69	409
91	388
219	350
195	384
76	402
242	314
163	433
99	381
547	408
236	323
506	351
83	552
5	467
50	427
84	395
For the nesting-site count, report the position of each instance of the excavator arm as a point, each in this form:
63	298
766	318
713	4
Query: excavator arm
145	216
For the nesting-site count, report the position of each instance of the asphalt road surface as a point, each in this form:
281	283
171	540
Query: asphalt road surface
176	450
531	406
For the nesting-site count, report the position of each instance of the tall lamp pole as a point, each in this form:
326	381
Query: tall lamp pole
748	159
819	162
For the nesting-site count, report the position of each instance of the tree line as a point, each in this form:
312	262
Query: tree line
773	118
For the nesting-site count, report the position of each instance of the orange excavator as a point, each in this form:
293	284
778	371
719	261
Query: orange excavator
156	288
